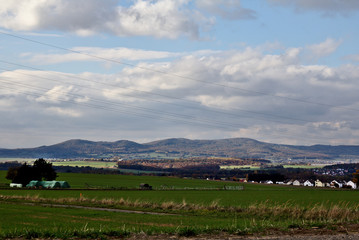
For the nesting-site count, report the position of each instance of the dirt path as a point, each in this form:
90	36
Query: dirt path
345	232
98	209
353	236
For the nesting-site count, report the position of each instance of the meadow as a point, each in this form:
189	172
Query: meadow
94	164
231	167
17	160
254	209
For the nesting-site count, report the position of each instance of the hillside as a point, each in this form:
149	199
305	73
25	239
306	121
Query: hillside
179	147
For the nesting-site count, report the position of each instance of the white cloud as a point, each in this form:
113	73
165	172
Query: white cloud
27	15
328	8
56	95
160	18
227	9
353	57
330	126
88	53
63	112
324	48
249	92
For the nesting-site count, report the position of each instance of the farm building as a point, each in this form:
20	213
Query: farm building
64	184
145	186
319	183
18	185
336	184
48	184
296	183
351	184
308	184
289	182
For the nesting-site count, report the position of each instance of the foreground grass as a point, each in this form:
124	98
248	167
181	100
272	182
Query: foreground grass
255	209
69	222
251	194
182	219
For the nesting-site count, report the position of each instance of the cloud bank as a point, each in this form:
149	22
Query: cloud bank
328	8
161	19
205	94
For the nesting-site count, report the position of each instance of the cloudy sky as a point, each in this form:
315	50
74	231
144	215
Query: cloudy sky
282	71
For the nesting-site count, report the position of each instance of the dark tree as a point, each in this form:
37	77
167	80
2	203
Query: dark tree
12	172
44	170
356	176
23	174
41	170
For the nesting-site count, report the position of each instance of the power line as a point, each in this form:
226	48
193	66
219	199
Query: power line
142	115
179	76
187	118
107	108
175	75
156	94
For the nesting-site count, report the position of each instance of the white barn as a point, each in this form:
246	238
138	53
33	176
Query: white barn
308	184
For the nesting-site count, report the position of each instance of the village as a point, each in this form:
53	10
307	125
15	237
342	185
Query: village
307	183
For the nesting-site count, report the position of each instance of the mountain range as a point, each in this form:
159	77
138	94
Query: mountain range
180	147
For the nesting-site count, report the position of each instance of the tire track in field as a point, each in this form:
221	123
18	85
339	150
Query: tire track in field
100	209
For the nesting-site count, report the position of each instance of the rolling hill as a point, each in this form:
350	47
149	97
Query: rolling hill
234	147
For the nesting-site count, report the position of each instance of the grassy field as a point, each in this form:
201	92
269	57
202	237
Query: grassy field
256	208
100	164
94	164
17	159
230	167
305	166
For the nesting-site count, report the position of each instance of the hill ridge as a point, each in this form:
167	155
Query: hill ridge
230	147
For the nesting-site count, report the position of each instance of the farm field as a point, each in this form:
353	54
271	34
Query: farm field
306	166
254	209
100	164
249	167
17	159
94	164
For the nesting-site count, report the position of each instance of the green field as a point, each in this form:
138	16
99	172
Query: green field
305	166
254	209
17	159
230	167
94	164
100	164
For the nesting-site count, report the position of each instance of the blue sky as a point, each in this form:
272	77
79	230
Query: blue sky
282	71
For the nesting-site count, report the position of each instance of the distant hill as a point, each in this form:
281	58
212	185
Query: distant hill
234	147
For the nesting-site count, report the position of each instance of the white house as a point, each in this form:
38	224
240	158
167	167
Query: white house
351	184
308	184
296	183
269	182
335	184
319	183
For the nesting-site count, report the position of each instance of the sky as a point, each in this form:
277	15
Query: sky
280	71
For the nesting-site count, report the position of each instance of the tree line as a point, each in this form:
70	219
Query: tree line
40	170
